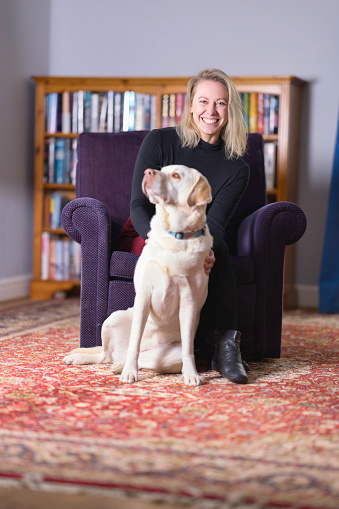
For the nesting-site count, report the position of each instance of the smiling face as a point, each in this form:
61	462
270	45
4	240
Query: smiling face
210	109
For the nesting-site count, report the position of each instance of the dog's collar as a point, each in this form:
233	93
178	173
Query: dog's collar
188	235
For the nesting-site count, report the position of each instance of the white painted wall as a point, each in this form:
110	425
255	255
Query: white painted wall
180	37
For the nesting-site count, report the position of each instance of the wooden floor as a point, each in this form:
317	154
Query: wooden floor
12	498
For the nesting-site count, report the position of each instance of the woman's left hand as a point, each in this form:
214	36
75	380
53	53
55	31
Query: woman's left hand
209	262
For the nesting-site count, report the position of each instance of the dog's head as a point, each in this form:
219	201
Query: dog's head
176	185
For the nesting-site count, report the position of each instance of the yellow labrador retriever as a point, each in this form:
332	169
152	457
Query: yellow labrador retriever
157	333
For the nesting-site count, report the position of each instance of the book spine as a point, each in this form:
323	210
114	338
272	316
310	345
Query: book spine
180	102
110	111
131	112
66	113
94	113
74	112
165	111
103	112
80	111
125	111
172	110
266	114
45	255
261	114
118	106
270	156
153	112
51	160
59	168
253	112
52	112
245	98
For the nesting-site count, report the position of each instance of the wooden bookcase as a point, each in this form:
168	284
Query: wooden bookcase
287	88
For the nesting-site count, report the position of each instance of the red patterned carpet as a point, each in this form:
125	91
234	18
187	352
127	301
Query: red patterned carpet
271	443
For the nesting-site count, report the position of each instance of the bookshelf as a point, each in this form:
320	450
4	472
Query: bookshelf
63	133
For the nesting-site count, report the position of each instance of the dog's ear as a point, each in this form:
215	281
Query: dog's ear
200	193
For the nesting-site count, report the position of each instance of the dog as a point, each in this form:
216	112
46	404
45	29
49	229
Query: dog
158	332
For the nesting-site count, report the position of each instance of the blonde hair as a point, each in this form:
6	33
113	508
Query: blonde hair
234	133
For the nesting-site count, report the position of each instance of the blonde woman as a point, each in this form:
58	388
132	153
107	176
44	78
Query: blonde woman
211	138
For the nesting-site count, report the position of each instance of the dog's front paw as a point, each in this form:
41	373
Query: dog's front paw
193	379
128	377
129	374
71	359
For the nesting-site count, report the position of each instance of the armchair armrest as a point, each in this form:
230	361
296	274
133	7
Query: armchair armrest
87	221
263	236
282	222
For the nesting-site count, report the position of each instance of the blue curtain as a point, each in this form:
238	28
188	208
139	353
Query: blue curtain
329	274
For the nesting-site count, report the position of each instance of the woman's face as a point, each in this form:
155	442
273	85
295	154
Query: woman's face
210	109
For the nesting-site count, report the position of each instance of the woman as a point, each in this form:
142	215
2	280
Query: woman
211	138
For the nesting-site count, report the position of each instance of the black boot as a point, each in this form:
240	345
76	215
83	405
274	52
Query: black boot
227	357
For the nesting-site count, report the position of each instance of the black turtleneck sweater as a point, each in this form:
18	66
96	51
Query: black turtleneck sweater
228	178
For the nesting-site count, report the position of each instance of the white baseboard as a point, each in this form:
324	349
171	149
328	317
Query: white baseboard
15	287
308	296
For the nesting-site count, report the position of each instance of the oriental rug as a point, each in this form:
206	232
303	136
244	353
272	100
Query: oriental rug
273	443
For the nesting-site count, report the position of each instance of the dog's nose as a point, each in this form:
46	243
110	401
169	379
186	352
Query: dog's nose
149	173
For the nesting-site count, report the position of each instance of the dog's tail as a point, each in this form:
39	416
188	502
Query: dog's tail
94	349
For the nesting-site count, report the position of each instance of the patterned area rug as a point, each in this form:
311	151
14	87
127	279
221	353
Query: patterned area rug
271	443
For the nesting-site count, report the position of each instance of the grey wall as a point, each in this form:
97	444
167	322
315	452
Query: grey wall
180	37
24	50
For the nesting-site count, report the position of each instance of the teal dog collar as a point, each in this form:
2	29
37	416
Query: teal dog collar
188	235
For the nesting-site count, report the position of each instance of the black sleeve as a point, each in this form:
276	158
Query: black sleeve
224	204
149	156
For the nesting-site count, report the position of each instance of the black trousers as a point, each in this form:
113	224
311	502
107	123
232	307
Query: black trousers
220	309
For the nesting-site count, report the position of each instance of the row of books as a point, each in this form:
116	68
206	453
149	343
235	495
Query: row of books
54	203
60	258
60	160
76	112
261	112
172	106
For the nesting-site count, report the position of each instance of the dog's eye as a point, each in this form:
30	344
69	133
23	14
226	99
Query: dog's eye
176	175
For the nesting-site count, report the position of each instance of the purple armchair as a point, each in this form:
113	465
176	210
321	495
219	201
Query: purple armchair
257	235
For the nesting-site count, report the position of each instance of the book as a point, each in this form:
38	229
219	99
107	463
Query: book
110	111
81	111
94	112
266	113
131	112
102	112
118	108
125	109
245	99
74	161
253	113
52	112
270	156
172	110
66	113
274	114
74	103
153	119
44	255
51	159
140	112
165	110
59	164
261	113
180	103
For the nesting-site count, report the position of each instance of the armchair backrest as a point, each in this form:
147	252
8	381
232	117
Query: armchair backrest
105	169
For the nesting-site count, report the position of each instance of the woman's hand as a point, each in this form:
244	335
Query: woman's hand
209	262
